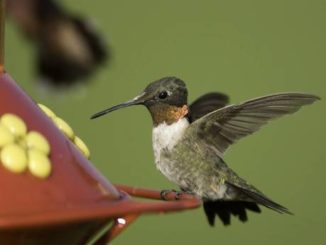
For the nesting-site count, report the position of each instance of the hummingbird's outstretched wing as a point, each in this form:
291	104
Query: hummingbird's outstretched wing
225	126
207	103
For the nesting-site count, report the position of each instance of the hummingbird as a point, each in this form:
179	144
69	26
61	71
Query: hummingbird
189	142
68	46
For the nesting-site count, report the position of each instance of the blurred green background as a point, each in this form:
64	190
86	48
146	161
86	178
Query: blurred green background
243	48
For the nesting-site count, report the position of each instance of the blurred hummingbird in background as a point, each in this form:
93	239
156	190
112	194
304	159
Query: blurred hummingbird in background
189	142
68	47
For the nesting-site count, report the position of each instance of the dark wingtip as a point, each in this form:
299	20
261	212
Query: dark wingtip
225	209
261	199
313	97
209	212
283	210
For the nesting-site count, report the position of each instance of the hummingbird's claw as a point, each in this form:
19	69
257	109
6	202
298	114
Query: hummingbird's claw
165	193
176	194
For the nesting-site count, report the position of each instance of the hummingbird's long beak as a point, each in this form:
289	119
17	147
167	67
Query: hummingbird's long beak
139	100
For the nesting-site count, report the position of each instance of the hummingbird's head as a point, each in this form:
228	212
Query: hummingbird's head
166	100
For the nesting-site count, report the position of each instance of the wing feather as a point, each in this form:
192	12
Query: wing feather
207	103
227	125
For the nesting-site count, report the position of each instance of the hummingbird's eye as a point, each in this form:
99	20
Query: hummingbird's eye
163	95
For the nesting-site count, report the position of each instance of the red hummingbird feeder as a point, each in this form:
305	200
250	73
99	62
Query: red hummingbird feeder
60	198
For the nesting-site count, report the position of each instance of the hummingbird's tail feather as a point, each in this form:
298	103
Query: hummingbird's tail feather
260	198
224	210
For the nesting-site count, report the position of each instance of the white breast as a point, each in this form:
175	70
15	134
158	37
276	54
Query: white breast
165	137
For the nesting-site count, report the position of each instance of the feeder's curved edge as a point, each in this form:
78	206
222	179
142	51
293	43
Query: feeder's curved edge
116	229
184	202
118	208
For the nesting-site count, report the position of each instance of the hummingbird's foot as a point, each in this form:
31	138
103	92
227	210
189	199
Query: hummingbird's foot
166	194
178	195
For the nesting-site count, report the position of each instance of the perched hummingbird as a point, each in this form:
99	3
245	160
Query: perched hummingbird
189	142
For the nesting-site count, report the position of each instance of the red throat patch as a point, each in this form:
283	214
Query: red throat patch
168	114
